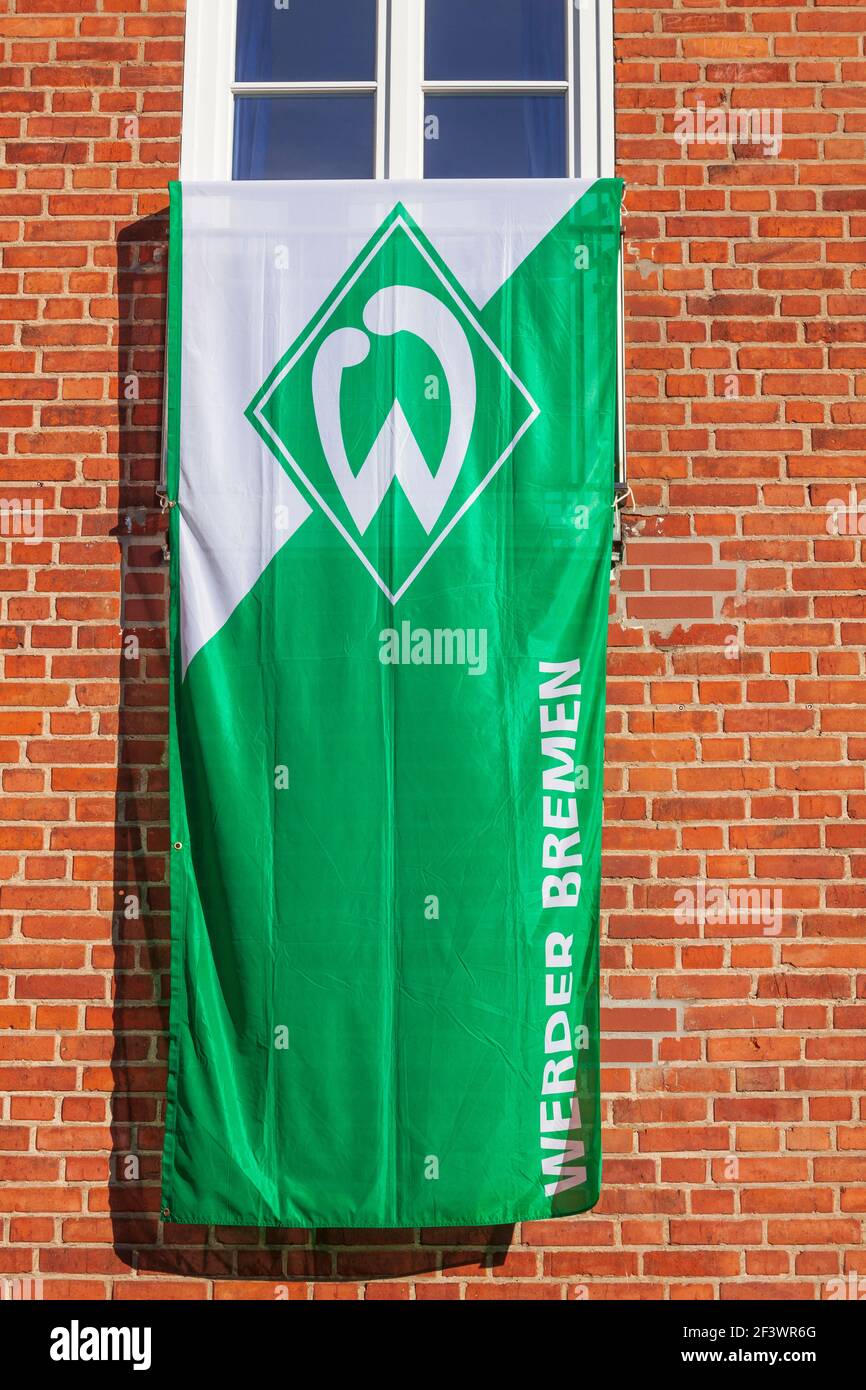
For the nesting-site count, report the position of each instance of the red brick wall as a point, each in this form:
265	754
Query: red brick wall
737	720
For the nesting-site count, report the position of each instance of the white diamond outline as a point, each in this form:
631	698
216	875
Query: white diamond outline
399	221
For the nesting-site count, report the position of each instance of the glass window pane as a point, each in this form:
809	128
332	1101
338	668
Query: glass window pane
468	137
306	41
304	137
473	40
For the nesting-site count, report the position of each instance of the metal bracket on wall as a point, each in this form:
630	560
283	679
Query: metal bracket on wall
162	485
621	489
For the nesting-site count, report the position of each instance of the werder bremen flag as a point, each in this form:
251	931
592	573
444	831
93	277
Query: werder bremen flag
391	429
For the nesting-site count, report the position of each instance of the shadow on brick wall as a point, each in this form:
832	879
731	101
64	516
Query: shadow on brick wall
140	904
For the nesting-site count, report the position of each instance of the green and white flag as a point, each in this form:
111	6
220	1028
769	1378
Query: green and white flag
391	426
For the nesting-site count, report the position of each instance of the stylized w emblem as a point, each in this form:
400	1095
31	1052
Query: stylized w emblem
396	452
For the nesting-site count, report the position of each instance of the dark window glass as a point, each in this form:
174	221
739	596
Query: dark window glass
479	40
492	137
304	137
306	41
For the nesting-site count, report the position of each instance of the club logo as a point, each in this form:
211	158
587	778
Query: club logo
396	452
395	409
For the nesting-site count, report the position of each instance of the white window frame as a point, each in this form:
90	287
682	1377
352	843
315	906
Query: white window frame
210	91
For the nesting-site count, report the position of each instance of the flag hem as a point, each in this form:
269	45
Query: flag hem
177	818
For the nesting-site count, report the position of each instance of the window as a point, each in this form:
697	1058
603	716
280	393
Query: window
293	89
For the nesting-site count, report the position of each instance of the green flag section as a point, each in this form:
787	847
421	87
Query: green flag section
391	424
